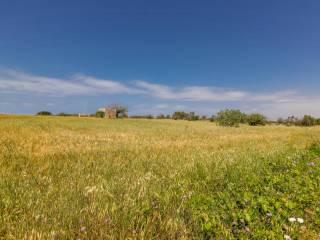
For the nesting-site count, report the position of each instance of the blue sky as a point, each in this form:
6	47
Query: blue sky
160	56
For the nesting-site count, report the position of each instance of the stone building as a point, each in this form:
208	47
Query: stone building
108	112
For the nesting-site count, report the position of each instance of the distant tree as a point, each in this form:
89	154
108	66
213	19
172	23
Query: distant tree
213	118
44	113
308	121
100	114
136	116
292	120
318	121
149	116
230	117
192	116
62	114
179	115
203	117
256	119
121	110
161	116
280	120
168	116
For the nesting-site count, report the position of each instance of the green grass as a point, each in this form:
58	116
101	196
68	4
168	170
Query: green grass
71	178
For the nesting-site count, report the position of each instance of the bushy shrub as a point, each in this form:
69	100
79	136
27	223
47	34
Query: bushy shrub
192	116
280	121
142	116
161	116
62	114
213	118
179	115
292	120
230	117
308	121
256	119
100	114
185	116
44	113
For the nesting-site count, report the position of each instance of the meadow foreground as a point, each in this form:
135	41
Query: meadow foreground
86	178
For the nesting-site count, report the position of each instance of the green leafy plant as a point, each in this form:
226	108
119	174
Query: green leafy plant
308	121
230	117
256	119
100	114
44	113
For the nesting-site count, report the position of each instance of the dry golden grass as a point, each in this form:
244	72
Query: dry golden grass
67	178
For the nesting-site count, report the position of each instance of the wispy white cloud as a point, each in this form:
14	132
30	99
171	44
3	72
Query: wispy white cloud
277	103
104	86
300	106
11	80
193	93
273	104
80	84
214	94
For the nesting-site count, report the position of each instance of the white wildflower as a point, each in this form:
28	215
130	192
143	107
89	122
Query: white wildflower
287	237
148	176
300	220
89	190
292	219
269	214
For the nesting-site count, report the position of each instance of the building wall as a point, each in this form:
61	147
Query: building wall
110	113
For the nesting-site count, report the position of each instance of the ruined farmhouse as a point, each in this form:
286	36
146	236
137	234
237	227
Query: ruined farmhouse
108	112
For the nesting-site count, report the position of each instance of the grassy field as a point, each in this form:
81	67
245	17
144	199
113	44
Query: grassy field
71	178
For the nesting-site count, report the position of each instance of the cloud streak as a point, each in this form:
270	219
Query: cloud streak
15	81
211	94
80	84
272	103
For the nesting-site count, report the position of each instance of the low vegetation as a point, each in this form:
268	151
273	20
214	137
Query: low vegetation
255	119
100	114
44	113
306	121
230	117
226	118
191	116
91	178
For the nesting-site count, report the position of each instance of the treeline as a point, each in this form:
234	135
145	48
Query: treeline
307	120
191	116
227	117
47	113
234	117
